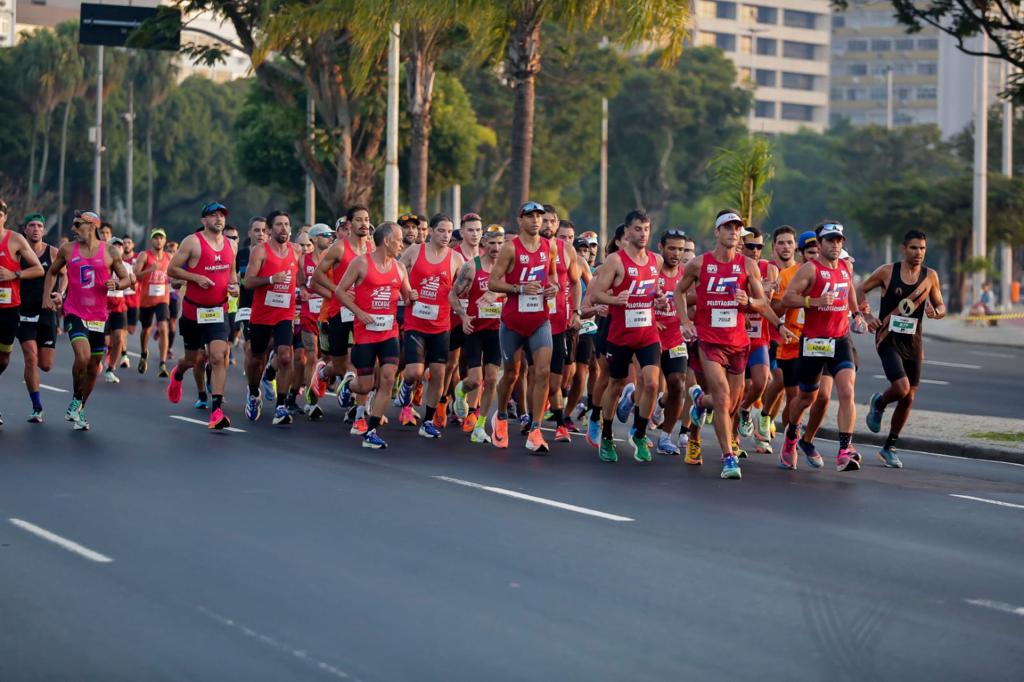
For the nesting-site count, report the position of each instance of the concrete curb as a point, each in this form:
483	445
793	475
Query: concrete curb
951	339
942	447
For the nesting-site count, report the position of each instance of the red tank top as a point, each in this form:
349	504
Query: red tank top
669	330
314	305
829	321
758	329
488	316
116	302
378	296
456	320
718	319
275	303
10	291
559	305
632	325
131	294
333	306
217	265
431	312
154	288
525	314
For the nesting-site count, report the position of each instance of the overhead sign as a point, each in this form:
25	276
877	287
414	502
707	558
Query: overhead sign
114	25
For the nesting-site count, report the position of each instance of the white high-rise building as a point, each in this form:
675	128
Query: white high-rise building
782	49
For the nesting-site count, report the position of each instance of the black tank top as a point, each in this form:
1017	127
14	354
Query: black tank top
900	310
32	289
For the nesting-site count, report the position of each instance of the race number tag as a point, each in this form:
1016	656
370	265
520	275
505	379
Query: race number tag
315	304
32	319
157	290
489	311
243	314
902	325
819	348
277	299
678	352
531	303
381	323
129	292
209	315
588	326
552	306
639	317
425	311
95	325
6	296
723	317
115	293
346	315
754	330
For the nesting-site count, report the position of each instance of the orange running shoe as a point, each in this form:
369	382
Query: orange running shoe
562	435
359	427
417	395
535	441
469	423
441	415
408	416
499	431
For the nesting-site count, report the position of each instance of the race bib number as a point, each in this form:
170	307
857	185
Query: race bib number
209	315
32	319
316	303
129	292
425	311
902	325
95	325
723	317
347	315
754	330
588	326
6	296
243	314
531	303
115	293
819	348
489	311
381	323
157	290
277	299
678	352
639	317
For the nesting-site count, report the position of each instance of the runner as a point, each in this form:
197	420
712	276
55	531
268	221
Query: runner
93	268
471	230
582	379
272	274
258	234
432	269
37	331
321	237
154	298
823	287
116	329
673	346
231	233
206	262
131	298
727	284
410	224
370	288
783	256
600	371
565	321
423	231
909	292
14	251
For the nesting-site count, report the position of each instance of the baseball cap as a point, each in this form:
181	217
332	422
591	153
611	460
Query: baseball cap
339	222
157	232
87	217
845	255
530	207
728	218
494	230
830	229
117	241
589	238
320	230
409	218
806	239
213	207
35	218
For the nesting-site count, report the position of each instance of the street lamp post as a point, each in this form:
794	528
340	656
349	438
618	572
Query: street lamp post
979	222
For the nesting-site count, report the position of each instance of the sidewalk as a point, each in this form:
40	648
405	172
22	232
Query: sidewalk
1007	333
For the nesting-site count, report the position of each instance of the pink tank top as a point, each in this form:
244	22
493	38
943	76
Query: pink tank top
87	279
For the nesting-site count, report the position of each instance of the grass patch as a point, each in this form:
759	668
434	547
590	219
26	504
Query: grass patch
1001	436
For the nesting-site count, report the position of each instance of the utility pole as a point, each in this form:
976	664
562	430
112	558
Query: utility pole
457	205
979	222
97	171
310	187
603	221
391	169
129	190
1005	250
889	122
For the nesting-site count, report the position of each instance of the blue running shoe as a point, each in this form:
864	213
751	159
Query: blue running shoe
889	458
594	433
282	416
625	406
696	413
811	453
201	404
428	430
373	441
268	389
404	398
731	467
253	406
666	446
345	398
874	415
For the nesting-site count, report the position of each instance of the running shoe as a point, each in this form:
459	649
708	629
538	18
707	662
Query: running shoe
693	457
417	396
469	423
763	447
696	413
313	412
218	420
143	363
350	414
658	416
126	362
731	467
253	406
746	424
684	440
318	382
570	424
666	446
512	409
499	429
889	458
579	410
709	416
874	415
174	389
35	418
310	397
625	406
110	377
607	451
848	459
74	407
594	433
740	452
788	459
163	374
345	397
201	404
373	441
359	428
461	407
479	435
268	388
789	449
641	451
814	458
441	415
763	427
404	395
535	442
407	417
632	432
429	430
525	421
562	435
80	422
282	417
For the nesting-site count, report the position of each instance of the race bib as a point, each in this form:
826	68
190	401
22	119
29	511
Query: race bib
531	303
347	315
902	325
425	311
95	325
33	318
638	317
129	292
678	352
115	293
278	299
552	306
588	326
6	296
800	316
157	290
381	323
243	314
209	315
315	304
754	331
819	348
489	311
723	317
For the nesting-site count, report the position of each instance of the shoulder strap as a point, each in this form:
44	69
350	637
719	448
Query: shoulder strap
479	267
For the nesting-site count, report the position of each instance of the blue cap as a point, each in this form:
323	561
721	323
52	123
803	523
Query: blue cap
531	207
806	239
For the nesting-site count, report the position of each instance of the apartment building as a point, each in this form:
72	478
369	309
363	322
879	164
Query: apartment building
781	49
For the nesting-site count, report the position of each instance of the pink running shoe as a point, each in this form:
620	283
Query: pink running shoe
174	388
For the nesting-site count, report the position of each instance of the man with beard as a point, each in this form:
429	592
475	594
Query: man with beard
37	328
321	237
154	298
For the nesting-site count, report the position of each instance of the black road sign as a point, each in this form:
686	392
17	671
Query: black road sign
114	25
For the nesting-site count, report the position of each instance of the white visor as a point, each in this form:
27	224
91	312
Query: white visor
727	218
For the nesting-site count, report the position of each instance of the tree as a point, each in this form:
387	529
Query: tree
154	74
741	174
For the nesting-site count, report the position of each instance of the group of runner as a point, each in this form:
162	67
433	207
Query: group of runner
501	328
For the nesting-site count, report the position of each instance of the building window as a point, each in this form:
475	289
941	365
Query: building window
856	94
927	69
795	50
881	45
797	81
706	9
761	15
766	78
836	94
856	45
905	44
927	44
705	39
838	21
857	69
725	42
795	19
767	46
926	92
764	109
725	10
904	68
902	93
878	94
797	112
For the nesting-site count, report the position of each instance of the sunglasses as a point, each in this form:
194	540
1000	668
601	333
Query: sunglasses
232	237
675	233
755	247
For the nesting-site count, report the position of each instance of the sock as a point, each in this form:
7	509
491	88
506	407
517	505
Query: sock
640	424
844	440
280	399
590	405
178	376
595	414
481	421
890	441
110	368
534	425
636	412
203	396
791	431
218	400
372	423
37	403
745	414
78	396
502	414
559	417
428	413
606	429
360	412
270	373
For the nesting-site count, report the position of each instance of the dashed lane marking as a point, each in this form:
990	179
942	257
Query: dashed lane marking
537	500
998	503
959	365
190	420
69	545
997	606
53	388
937	382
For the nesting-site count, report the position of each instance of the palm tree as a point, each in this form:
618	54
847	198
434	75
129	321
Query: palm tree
741	174
154	74
75	85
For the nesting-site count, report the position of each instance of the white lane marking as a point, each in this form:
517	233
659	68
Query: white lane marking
990	354
134	354
923	381
275	644
987	501
959	365
69	545
538	500
232	429
53	388
997	606
938	454
579	435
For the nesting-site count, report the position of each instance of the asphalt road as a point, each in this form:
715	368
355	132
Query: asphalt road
293	554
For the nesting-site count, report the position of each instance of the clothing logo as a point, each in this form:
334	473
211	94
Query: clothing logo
216	258
641	287
534	274
87	276
524	259
735	267
722	285
633	272
712	267
430	286
906	307
380	299
899	291
825	274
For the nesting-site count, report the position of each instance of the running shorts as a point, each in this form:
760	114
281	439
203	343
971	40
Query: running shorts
260	336
585	348
512	341
336	337
365	356
40	328
429	348
133	316
482	347
559	352
116	321
620	358
195	336
9	320
160	311
811	366
733	358
896	366
456	337
673	361
77	329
